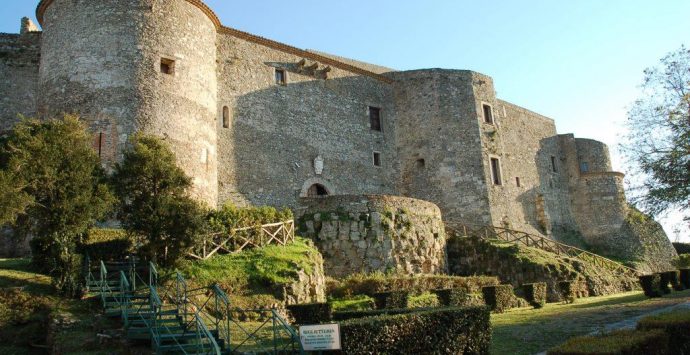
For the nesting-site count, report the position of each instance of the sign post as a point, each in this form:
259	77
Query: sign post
320	337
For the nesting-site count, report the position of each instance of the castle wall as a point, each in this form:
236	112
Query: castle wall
19	59
438	142
266	155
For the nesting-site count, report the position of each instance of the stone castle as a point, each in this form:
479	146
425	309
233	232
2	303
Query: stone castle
255	121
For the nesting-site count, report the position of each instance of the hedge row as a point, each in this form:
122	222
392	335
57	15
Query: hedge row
651	285
347	315
369	284
659	284
441	331
391	300
499	298
535	294
623	342
676	325
685	278
107	245
569	290
311	313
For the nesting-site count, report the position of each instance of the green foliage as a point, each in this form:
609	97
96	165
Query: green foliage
452	297
347	315
369	284
658	142
357	303
107	245
14	199
392	300
23	317
425	300
665	280
311	313
623	342
682	248
683	261
685	277
568	290
651	284
154	201
60	171
499	298
675	324
535	294
441	331
230	217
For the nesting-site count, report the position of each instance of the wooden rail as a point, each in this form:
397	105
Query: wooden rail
238	239
536	241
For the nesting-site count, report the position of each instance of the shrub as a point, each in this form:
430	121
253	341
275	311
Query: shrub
312	313
392	300
425	300
499	298
674	279
623	342
359	303
535	294
683	261
369	284
346	315
107	245
568	290
682	248
685	277
452	297
676	325
651	285
230	217
441	331
665	280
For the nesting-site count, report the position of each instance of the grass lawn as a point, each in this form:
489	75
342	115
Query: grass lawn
530	331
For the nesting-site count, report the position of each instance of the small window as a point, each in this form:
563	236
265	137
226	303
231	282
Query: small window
496	171
375	118
421	163
517	182
377	159
488	114
553	164
281	77
226	117
167	66
584	167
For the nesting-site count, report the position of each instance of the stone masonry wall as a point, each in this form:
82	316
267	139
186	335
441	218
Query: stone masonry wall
375	233
19	58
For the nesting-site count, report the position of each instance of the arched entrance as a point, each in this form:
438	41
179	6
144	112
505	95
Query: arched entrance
317	190
316	187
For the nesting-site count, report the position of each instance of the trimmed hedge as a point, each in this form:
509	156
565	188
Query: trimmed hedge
499	298
363	284
622	342
535	294
107	245
682	248
568	290
676	325
440	331
685	278
347	315
674	277
311	313
665	280
651	285
391	300
452	297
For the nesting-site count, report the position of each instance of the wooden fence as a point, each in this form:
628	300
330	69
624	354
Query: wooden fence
281	233
536	241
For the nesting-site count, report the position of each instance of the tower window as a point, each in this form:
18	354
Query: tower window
377	159
517	182
167	66
553	164
226	117
421	163
375	118
281	77
496	171
584	167
488	114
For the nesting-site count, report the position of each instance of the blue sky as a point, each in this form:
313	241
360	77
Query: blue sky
579	61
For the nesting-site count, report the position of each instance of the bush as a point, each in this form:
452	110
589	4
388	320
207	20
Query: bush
535	294
441	331
392	300
425	300
347	315
622	342
107	245
359	303
230	217
651	285
674	279
685	278
568	290
676	325
683	261
312	313
369	284
499	298
682	248
452	297
665	280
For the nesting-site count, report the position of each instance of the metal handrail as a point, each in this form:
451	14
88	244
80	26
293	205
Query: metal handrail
124	298
200	325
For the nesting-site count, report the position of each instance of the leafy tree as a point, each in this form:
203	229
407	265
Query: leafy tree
14	199
61	173
658	142
154	200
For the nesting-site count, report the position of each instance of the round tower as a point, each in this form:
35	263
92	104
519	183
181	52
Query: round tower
136	65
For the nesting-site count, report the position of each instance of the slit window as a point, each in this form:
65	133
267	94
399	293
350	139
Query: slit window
281	77
584	167
517	182
496	171
553	164
377	159
226	117
375	118
167	66
488	114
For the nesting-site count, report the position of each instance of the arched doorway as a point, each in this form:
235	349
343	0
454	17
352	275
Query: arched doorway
317	190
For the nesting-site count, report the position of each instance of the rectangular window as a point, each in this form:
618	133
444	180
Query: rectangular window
517	182
375	118
488	114
167	66
281	78
553	164
584	167
377	159
496	171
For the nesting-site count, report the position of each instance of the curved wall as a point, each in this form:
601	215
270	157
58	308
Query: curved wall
594	153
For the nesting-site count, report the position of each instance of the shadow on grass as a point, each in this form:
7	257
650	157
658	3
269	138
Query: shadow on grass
629	299
23	264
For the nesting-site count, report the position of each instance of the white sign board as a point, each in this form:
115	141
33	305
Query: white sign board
320	337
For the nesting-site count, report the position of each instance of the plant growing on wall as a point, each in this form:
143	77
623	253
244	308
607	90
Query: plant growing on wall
154	201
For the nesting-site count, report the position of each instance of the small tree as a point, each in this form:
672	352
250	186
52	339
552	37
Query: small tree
154	200
658	142
60	171
14	199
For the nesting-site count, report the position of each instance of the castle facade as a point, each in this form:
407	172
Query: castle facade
254	121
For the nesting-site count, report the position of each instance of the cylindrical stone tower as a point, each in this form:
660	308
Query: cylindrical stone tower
136	65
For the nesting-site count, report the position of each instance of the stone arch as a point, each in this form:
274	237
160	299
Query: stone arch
316	185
